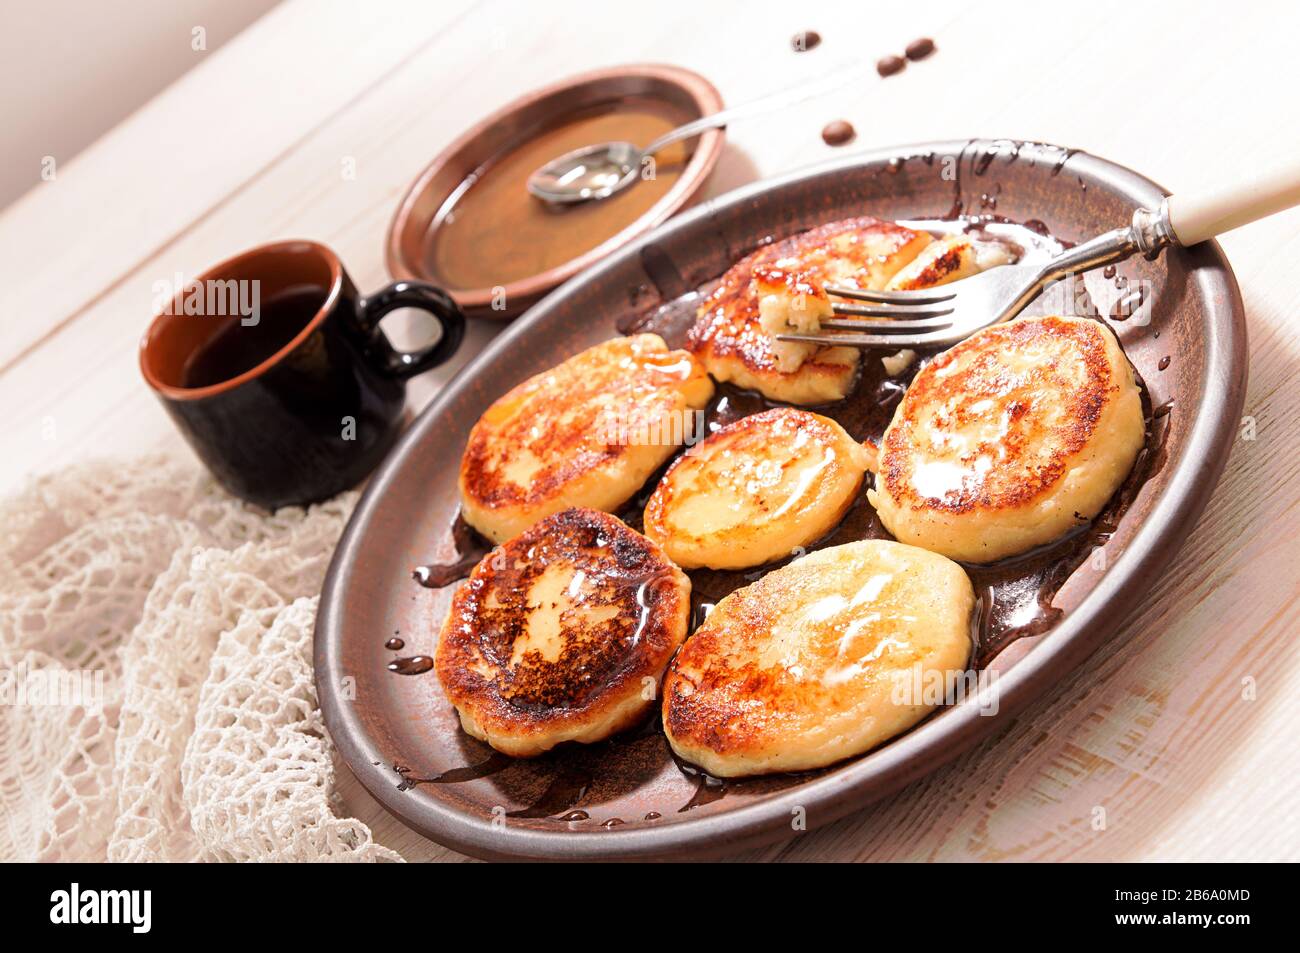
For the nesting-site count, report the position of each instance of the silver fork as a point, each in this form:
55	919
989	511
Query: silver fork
944	315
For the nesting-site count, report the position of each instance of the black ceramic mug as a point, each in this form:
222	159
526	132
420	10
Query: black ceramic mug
278	375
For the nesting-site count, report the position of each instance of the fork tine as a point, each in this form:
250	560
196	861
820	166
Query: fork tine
923	296
871	340
885	324
889	310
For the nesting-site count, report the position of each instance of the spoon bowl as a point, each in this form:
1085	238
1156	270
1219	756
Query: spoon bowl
592	172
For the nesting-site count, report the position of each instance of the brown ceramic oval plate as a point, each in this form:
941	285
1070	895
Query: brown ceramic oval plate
666	95
627	798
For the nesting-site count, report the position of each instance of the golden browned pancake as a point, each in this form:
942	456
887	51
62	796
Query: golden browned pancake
782	285
589	432
562	634
949	259
813	663
1009	440
756	491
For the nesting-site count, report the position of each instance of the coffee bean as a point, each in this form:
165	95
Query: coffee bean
837	133
920	49
805	41
889	65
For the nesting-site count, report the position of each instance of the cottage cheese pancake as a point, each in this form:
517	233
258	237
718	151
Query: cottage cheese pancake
949	259
781	286
589	432
756	490
816	661
562	634
1013	438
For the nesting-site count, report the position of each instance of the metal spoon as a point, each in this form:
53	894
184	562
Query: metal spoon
598	171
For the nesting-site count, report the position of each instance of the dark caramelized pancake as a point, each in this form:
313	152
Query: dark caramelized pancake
562	634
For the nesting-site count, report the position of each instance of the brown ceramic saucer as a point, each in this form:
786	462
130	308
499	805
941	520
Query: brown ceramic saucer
410	231
382	721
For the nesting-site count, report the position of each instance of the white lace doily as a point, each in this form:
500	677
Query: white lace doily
156	691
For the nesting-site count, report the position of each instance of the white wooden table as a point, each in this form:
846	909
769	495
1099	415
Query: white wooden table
252	144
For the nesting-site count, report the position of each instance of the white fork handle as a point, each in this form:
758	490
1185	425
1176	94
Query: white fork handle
1195	218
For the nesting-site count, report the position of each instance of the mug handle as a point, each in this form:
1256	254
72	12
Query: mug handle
411	294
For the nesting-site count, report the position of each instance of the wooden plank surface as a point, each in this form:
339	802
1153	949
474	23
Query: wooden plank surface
1156	731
